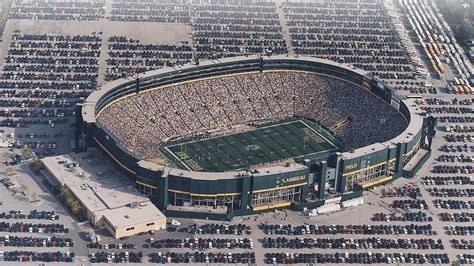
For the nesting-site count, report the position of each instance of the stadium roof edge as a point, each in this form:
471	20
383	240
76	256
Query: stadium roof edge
191	174
220	175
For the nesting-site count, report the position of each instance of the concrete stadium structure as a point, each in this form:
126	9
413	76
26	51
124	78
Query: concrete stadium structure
311	182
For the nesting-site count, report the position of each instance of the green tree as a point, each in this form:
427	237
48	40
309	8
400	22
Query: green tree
466	30
74	205
451	11
26	152
64	193
460	16
36	164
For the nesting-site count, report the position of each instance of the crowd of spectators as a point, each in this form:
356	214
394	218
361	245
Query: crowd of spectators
353	32
130	56
223	28
170	11
143	121
58	9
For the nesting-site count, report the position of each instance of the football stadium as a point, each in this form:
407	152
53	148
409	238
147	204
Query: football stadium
230	137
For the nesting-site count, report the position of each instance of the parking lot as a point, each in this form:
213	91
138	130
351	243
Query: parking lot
25	228
427	219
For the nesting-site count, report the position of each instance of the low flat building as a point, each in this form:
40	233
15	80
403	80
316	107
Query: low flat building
128	221
109	199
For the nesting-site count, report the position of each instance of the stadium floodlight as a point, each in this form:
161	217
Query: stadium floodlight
130	76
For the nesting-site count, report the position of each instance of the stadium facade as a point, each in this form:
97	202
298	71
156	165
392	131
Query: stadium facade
311	182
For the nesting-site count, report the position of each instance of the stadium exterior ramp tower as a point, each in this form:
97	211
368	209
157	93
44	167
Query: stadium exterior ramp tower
307	182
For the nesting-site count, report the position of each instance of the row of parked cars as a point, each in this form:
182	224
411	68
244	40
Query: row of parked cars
32	256
457	148
453	204
40	144
404	217
98	245
455	101
451	192
218	229
453	169
20	227
349	243
455	119
23	123
35	135
460	230
204	243
459	128
404	191
447	180
462	244
466	258
459	138
119	257
461	158
411	229
14	214
459	217
448	110
29	241
201	257
357	258
409	204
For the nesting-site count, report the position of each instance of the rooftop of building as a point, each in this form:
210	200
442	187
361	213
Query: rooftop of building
100	188
132	215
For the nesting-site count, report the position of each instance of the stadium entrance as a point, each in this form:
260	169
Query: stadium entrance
225	202
275	198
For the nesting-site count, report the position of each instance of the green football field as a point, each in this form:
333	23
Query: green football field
241	150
